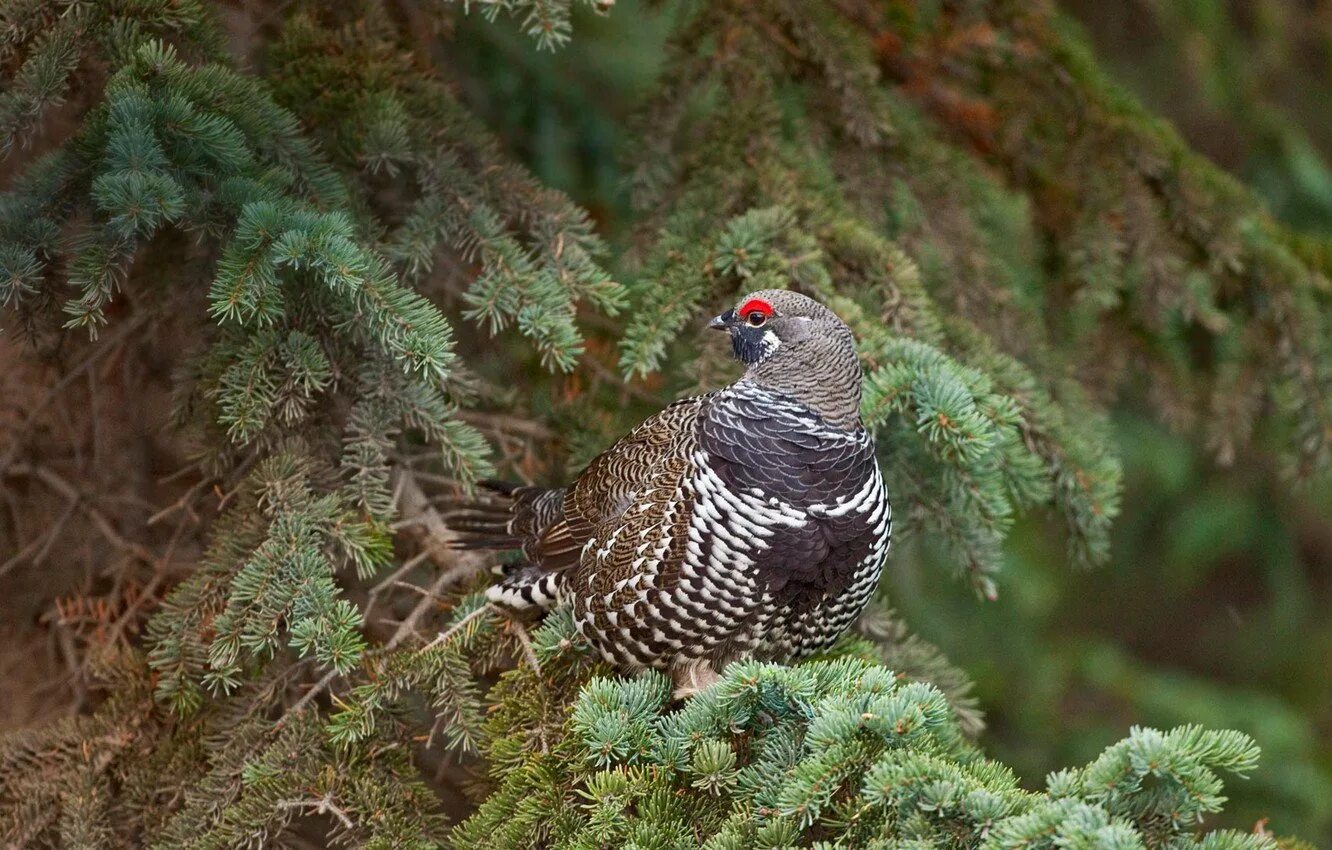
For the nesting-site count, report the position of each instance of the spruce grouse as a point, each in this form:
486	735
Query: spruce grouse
747	522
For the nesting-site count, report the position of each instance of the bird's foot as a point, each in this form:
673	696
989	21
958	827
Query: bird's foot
693	676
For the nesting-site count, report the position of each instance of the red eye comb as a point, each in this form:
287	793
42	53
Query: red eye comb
755	304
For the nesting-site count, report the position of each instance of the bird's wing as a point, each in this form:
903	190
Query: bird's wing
637	470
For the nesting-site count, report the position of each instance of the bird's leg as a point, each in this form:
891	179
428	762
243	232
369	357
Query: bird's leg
692	676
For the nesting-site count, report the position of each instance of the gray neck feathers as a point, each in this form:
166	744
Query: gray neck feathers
820	370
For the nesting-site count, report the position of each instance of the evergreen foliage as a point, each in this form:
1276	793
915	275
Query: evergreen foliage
837	752
336	236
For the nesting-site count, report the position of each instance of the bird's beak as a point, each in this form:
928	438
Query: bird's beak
722	322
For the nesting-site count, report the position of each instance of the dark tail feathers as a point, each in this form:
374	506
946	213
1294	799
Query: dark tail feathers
513	518
485	523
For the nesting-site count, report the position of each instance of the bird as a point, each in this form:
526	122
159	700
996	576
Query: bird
747	522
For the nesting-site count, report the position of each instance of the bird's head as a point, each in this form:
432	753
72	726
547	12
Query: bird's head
763	323
794	344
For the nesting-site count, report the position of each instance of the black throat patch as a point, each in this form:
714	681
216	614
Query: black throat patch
747	343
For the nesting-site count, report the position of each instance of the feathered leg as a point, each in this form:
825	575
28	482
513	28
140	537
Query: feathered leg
692	676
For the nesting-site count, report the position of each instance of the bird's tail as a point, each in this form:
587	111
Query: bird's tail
486	523
511	516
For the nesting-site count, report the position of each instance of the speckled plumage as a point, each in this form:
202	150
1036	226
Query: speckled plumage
751	521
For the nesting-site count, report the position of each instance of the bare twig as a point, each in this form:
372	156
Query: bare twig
53	480
22	555
159	575
94	356
392	580
238	476
195	466
323	806
417	589
41	544
520	632
407	627
506	423
185	502
315	690
444	636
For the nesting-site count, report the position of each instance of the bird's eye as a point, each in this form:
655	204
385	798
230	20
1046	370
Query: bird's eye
756	318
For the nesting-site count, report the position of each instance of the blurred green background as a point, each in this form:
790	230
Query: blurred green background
1216	607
